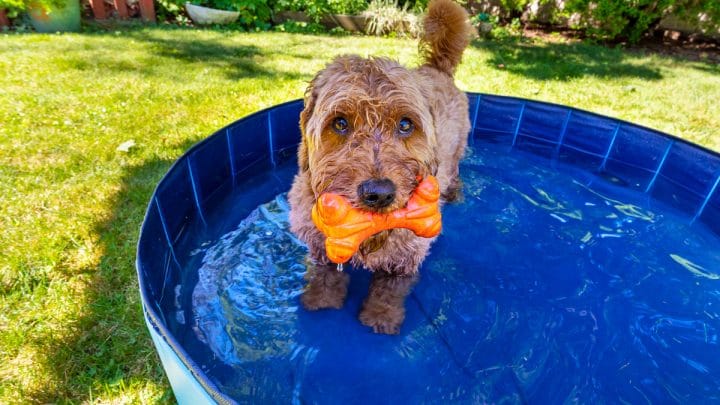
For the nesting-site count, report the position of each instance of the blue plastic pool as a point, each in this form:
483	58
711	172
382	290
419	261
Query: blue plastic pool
582	264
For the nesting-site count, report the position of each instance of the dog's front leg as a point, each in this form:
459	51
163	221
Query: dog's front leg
384	307
326	287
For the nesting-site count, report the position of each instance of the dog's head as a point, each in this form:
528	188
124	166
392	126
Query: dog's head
368	133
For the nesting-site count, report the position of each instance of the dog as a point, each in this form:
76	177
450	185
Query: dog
371	129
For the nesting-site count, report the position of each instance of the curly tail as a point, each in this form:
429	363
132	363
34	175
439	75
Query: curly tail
446	35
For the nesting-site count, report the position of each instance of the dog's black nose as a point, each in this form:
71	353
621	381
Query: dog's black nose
377	193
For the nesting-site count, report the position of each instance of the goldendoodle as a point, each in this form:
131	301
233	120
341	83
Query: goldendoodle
371	129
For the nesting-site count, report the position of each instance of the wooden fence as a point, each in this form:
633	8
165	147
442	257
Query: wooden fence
100	12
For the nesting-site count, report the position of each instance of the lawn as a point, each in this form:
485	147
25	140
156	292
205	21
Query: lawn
71	204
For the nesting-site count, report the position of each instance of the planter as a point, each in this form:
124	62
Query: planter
205	15
687	26
283	16
51	19
352	23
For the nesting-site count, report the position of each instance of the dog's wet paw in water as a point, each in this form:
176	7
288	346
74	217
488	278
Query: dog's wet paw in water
326	288
384	307
385	320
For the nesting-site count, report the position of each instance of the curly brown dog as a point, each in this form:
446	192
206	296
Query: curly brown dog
370	129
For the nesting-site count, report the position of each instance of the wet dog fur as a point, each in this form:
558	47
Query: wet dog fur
371	127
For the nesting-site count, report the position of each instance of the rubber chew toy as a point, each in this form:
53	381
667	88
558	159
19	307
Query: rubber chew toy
346	227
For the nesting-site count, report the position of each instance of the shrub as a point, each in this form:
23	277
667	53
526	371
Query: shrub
623	19
610	19
346	6
253	13
13	7
514	8
316	9
418	6
299	27
169	9
704	13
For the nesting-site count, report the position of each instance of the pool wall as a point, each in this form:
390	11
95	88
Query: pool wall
666	168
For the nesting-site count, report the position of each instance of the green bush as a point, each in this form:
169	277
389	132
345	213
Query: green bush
418	6
514	8
346	6
299	27
704	13
13	7
489	26
169	10
631	19
316	9
253	13
615	19
258	13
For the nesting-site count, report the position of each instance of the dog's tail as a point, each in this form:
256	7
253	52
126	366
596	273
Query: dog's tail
446	35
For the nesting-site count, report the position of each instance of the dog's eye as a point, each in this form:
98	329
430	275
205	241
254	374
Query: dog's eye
340	125
405	126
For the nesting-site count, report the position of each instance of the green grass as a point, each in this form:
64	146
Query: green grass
71	326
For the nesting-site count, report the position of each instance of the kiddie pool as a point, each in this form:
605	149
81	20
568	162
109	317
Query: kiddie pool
582	264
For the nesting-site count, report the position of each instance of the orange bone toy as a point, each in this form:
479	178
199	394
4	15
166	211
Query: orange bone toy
346	227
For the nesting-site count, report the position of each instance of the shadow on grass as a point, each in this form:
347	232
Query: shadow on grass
186	51
237	60
707	67
564	61
107	351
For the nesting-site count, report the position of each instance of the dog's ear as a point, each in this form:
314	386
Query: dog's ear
303	161
305	114
431	132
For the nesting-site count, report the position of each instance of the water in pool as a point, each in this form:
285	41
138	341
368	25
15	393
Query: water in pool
548	284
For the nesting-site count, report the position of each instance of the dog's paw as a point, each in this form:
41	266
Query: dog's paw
313	300
326	289
382	320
